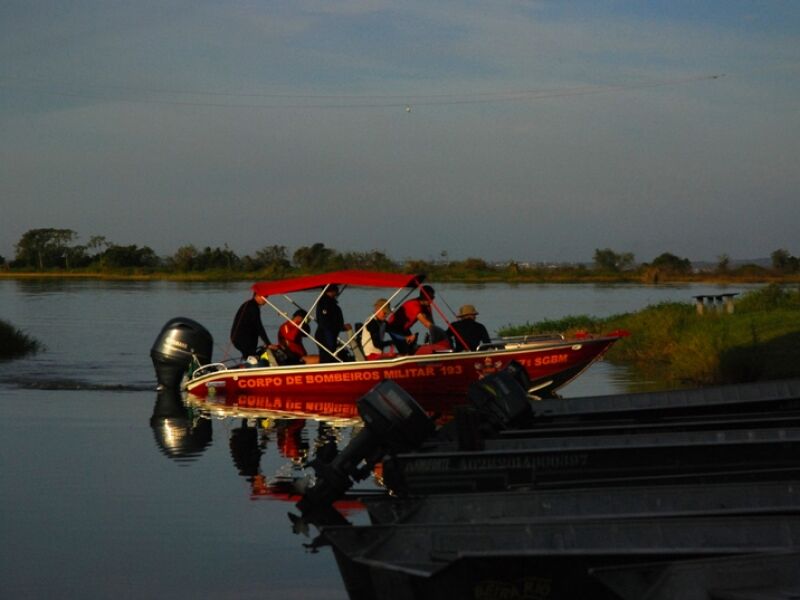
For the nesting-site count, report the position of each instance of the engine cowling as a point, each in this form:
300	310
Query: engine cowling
180	342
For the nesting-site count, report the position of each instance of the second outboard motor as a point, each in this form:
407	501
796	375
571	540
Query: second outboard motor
496	402
180	342
393	422
500	398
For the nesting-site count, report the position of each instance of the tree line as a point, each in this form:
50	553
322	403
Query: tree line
54	250
51	249
606	259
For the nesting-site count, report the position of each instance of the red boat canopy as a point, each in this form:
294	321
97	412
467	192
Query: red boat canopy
357	278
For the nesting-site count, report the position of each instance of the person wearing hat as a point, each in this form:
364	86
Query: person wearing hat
330	322
373	337
466	331
404	318
247	327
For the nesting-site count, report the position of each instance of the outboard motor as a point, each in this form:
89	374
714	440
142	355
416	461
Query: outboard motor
501	399
393	422
496	402
180	342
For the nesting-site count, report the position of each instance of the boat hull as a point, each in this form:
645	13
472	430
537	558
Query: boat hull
428	377
603	559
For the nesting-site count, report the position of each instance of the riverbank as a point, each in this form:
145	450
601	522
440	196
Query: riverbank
14	343
671	342
435	275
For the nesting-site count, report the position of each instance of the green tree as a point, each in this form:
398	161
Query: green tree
723	263
97	245
380	261
671	263
784	262
780	259
216	258
313	258
184	258
374	259
75	256
44	248
272	257
607	260
118	257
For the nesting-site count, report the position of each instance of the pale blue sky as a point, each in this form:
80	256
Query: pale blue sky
536	131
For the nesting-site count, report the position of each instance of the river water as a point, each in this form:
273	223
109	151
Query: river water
107	490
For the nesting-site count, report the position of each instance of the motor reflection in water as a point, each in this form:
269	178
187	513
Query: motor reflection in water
182	427
179	434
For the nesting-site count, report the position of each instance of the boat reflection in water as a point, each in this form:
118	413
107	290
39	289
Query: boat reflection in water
336	412
297	430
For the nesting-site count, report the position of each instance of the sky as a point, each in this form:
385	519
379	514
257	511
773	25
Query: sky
508	130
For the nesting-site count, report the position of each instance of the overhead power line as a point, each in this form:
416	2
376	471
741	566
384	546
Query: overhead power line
142	95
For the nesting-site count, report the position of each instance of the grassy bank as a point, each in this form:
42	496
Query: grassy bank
14	343
670	342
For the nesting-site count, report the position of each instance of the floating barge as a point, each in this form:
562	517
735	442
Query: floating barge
531	463
685	494
557	559
731	499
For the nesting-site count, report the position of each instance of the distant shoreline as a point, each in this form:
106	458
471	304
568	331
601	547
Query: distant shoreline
632	277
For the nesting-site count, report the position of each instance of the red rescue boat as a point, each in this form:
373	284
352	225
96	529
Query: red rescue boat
434	374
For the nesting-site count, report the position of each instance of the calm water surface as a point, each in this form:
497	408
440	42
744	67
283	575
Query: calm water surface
108	491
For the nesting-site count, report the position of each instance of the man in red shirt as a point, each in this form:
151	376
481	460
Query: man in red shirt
410	312
290	338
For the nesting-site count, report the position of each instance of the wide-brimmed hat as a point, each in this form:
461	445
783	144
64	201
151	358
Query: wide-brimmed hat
467	311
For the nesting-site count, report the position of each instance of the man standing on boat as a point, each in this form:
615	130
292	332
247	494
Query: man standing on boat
330	322
247	327
410	312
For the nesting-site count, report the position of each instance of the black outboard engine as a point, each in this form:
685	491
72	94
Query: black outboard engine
500	398
180	342
393	422
496	402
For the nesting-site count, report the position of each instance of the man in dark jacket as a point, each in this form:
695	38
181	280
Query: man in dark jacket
467	331
330	322
247	327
